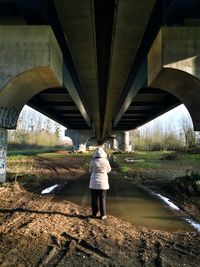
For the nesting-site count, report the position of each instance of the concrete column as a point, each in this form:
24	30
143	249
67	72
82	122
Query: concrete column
79	147
3	154
79	138
79	144
113	143
125	142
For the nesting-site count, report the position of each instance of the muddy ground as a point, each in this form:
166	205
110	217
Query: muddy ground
36	230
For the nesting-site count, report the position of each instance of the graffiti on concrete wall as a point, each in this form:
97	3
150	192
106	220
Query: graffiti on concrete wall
3	153
8	117
2	163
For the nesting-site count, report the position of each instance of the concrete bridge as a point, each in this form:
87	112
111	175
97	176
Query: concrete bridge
99	66
82	138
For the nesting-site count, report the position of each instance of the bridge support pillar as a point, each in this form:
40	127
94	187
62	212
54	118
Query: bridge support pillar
124	142
114	143
79	138
3	154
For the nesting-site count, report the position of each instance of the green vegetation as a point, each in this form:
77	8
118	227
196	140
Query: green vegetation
157	162
151	155
51	154
189	185
34	131
124	169
32	152
159	137
17	157
149	160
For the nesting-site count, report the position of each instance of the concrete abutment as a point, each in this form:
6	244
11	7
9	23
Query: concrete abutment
173	66
3	154
31	62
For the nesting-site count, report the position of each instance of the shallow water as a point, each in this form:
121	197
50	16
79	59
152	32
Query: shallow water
128	202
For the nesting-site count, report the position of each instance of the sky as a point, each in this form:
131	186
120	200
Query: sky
32	112
170	120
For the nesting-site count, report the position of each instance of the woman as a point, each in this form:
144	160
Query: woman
99	167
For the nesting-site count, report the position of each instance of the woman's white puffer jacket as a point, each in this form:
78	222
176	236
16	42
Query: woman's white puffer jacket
99	166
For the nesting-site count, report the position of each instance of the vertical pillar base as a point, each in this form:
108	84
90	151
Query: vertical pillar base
113	143
80	148
125	142
3	154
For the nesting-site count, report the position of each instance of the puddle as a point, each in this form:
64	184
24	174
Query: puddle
133	160
194	224
168	202
128	202
50	189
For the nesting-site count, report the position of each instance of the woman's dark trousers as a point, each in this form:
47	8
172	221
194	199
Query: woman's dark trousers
98	196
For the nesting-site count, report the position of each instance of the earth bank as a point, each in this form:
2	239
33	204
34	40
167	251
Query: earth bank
37	230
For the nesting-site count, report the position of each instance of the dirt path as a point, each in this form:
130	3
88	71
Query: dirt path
34	231
38	231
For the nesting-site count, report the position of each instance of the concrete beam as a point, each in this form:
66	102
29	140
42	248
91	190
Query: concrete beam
154	59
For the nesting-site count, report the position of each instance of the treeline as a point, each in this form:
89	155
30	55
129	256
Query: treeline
155	138
34	130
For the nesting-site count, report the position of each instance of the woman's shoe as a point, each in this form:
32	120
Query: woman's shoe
104	217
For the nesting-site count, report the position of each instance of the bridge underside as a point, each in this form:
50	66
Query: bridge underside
148	103
108	58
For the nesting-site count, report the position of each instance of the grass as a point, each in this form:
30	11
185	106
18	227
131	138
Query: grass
29	152
152	161
32	152
192	159
17	157
151	155
52	155
64	155
124	169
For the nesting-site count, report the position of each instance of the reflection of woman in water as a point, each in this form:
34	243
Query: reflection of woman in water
99	167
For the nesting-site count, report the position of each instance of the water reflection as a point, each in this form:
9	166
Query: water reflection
128	202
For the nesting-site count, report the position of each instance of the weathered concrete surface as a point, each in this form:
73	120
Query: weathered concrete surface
155	58
123	141
26	47
79	29
79	138
3	154
181	49
177	48
31	61
174	66
126	40
185	87
113	142
19	90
